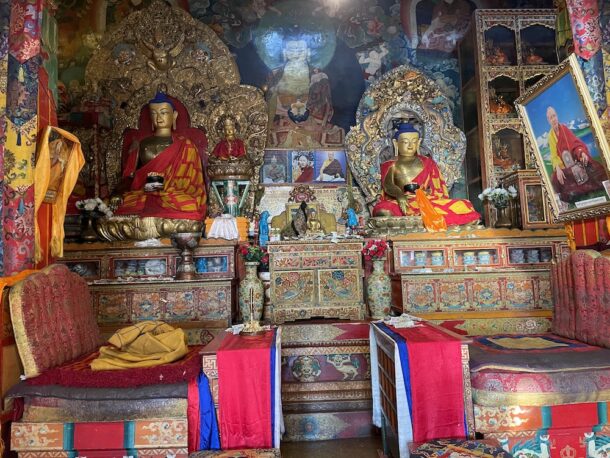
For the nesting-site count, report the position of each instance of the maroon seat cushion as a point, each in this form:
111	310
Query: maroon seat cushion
53	319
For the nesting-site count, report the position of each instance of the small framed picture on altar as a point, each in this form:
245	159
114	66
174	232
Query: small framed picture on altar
571	153
330	166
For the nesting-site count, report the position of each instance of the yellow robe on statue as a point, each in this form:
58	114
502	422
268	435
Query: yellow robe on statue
145	344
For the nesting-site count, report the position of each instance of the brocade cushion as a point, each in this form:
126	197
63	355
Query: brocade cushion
498	388
53	319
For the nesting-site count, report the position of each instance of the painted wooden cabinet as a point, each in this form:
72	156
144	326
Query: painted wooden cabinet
480	282
131	284
315	279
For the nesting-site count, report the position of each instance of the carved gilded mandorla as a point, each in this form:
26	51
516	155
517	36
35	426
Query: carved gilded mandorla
164	47
403	93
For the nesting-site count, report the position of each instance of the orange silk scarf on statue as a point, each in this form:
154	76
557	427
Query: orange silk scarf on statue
434	204
183	195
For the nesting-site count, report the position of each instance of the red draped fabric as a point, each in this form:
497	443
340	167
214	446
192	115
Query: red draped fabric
244	391
183	194
437	389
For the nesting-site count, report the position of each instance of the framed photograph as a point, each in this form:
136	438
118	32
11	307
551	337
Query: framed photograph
571	152
330	166
275	168
303	166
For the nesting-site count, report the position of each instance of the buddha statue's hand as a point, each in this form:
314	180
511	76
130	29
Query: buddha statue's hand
115	202
404	205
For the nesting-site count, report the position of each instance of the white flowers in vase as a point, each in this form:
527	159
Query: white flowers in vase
499	197
96	206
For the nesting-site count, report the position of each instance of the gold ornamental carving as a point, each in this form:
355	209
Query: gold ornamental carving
404	93
164	47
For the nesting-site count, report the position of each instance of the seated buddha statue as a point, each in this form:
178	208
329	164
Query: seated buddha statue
230	147
163	173
411	181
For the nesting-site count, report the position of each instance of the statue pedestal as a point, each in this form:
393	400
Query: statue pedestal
242	226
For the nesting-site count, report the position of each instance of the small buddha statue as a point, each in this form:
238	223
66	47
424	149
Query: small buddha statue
230	147
411	180
163	175
314	227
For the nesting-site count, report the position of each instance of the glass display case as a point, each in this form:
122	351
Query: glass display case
480	282
131	284
502	54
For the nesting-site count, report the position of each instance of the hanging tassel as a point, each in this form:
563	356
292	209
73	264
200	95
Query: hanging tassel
21	207
21	75
569	227
18	138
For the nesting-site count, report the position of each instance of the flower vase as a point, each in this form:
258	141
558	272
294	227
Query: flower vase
503	218
87	229
378	290
251	294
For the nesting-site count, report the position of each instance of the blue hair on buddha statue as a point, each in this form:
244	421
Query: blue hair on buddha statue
162	97
405	128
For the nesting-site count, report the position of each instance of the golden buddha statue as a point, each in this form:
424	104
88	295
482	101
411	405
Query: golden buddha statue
412	185
314	226
163	172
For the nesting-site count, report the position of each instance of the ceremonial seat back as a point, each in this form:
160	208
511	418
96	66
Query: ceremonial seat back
53	319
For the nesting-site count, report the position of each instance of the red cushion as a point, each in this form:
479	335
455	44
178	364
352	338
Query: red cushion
53	319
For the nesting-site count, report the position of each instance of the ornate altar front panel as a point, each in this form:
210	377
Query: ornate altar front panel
480	282
130	284
316	279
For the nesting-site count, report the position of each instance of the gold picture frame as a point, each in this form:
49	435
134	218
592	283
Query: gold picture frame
564	133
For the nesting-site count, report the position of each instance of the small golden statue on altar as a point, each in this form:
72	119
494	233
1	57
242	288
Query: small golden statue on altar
412	185
230	147
314	226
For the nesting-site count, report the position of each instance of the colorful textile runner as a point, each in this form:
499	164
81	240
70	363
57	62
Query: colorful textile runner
203	427
246	390
432	371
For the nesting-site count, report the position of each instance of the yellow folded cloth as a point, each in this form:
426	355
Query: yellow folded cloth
146	344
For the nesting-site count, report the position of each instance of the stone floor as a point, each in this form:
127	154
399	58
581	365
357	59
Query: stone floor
367	447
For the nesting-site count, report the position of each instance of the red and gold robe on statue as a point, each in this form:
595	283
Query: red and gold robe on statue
454	211
226	149
183	195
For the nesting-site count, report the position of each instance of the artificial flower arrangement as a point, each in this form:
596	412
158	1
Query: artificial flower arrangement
375	249
95	205
499	197
253	253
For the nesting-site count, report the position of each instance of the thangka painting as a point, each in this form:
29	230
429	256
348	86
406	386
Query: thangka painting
572	154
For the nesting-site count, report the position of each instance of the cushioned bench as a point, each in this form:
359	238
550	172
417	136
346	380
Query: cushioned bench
70	410
548	395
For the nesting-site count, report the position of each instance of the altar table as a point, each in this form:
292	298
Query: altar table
421	384
249	384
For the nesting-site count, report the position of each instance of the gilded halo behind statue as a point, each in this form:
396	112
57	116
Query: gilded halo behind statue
405	137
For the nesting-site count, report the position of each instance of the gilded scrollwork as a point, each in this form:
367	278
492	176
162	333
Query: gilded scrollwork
403	93
163	47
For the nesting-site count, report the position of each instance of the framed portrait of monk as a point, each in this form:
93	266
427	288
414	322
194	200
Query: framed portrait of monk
571	153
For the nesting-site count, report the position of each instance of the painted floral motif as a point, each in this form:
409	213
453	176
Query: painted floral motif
306	369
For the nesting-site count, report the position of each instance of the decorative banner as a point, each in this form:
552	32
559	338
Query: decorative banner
4	32
21	125
593	71
584	18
